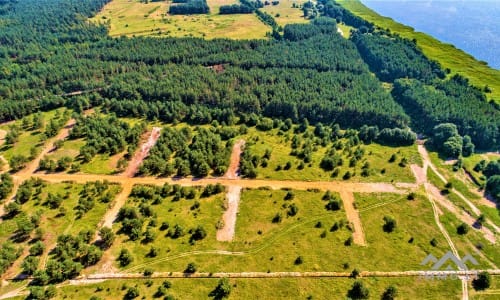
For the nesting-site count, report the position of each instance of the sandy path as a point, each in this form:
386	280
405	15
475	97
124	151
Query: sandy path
3	133
226	233
140	155
353	217
120	200
336	186
234	164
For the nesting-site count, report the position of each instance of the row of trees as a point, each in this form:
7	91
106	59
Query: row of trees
189	7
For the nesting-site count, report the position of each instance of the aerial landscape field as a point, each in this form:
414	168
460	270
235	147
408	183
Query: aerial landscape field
240	149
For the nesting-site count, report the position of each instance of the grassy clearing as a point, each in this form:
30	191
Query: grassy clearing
101	164
269	246
473	243
174	212
282	288
376	155
29	138
132	18
447	55
284	13
346	30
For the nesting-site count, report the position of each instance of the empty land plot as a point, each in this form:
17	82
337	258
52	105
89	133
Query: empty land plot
30	139
282	288
281	147
284	12
132	18
167	219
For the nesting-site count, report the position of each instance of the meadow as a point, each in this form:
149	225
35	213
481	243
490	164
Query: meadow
132	18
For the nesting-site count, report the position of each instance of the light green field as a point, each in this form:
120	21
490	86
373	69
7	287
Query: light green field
28	139
282	288
268	246
376	155
287	14
132	18
447	55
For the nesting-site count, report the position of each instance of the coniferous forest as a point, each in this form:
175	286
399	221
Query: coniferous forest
51	56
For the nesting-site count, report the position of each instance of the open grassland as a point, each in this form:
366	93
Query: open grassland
132	18
30	139
282	288
447	55
284	13
280	145
261	245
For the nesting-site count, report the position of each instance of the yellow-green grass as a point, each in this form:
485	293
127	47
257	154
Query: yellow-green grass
128	18
28	138
479	73
175	212
376	155
102	164
70	148
346	30
470	162
461	185
278	245
493	293
467	244
269	288
284	13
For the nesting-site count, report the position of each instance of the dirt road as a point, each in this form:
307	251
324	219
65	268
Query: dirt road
226	233
142	153
358	234
234	164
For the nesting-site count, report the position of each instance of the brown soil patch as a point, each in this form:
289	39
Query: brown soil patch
358	234
234	164
142	153
226	233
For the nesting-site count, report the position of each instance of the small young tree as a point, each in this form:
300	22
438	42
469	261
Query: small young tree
482	282
389	224
222	290
358	291
462	229
107	237
191	268
390	293
125	258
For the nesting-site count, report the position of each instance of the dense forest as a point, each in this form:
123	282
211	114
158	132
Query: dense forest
49	51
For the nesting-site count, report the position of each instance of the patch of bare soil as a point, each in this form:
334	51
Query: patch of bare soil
226	233
120	200
234	164
3	133
142	153
358	234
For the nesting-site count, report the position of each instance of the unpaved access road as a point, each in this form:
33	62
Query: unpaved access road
142	153
358	234
234	163
226	233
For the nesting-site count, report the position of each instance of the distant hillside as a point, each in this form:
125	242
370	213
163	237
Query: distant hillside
447	55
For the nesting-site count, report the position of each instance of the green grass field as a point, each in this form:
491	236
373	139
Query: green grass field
376	155
269	246
132	18
447	55
28	138
284	13
283	288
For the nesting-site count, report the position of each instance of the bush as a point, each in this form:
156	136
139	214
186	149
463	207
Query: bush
358	291
389	224
482	282
125	258
462	229
190	269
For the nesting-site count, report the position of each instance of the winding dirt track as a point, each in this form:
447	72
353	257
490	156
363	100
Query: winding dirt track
143	152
